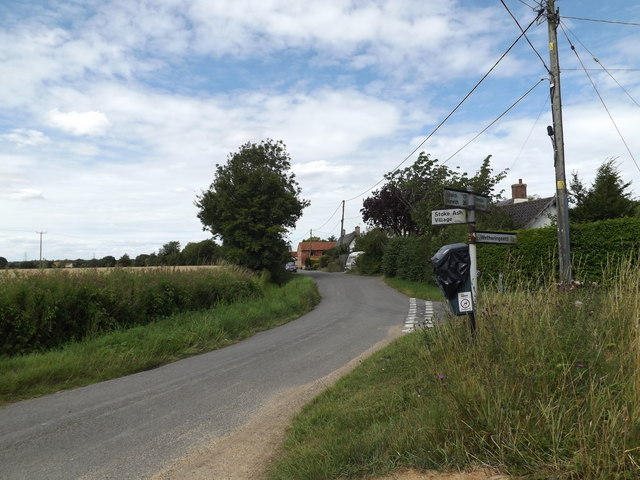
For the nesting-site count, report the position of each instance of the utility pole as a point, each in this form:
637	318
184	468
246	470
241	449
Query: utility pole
342	232
41	233
557	138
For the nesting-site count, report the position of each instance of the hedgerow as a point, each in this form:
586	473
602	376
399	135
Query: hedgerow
44	310
595	248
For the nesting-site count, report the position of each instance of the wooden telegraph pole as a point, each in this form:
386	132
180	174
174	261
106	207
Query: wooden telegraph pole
557	139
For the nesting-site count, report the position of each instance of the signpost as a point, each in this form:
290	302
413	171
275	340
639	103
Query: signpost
467	203
452	216
460	198
501	238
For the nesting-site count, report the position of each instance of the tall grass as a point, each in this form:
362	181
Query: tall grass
550	389
45	310
143	347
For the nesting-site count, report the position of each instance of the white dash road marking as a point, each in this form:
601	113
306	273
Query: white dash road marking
428	314
415	320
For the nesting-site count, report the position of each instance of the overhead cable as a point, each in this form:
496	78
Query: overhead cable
527	5
517	157
525	36
452	111
329	219
573	48
602	67
496	119
603	21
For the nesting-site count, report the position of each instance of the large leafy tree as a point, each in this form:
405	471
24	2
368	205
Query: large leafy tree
606	198
252	203
389	208
403	205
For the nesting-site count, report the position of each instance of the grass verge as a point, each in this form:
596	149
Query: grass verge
140	348
415	289
549	390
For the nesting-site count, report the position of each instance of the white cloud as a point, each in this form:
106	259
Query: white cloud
25	137
91	123
320	167
24	194
408	37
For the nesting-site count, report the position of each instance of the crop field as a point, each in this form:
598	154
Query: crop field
37	271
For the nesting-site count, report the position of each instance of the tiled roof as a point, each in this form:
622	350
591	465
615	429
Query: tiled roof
316	245
523	212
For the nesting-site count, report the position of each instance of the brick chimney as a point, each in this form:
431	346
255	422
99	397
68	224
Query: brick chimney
519	192
357	230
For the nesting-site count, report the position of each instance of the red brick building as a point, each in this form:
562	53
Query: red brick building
312	250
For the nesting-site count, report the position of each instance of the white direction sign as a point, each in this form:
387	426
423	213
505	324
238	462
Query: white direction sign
496	237
460	198
451	216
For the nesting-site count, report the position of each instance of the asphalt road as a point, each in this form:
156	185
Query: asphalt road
133	427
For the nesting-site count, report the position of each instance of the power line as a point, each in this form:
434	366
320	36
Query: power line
542	108
603	21
595	59
527	5
525	36
601	69
573	48
496	119
452	111
329	219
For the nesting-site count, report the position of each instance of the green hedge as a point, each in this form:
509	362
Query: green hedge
44	310
594	248
408	258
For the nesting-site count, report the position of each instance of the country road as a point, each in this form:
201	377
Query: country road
136	426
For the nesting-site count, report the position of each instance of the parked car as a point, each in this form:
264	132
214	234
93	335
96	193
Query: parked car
291	267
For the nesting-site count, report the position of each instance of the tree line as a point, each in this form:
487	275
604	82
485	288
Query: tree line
206	252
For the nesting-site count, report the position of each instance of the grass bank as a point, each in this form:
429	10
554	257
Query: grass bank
549	390
415	289
139	348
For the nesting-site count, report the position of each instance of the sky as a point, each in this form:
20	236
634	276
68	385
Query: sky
114	113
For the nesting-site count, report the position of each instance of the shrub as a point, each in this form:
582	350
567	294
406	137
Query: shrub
372	244
408	258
